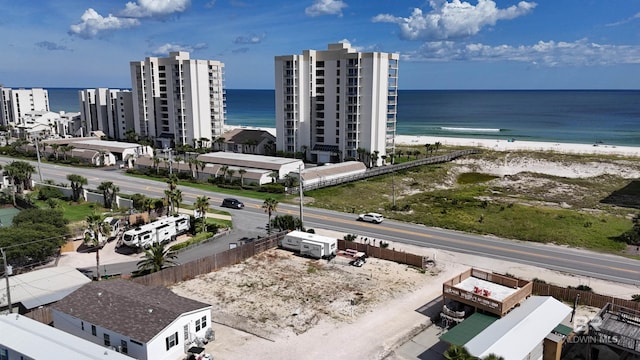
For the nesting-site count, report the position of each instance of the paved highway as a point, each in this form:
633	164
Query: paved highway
252	219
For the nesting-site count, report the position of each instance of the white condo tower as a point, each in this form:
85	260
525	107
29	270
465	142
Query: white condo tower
337	104
178	100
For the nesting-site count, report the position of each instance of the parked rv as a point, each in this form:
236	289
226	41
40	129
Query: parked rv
312	245
160	231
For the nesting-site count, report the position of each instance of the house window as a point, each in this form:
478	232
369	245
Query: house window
124	348
82	325
197	325
204	321
186	332
171	340
93	330
4	354
107	340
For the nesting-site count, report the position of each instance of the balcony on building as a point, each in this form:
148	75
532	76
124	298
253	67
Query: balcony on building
618	326
484	292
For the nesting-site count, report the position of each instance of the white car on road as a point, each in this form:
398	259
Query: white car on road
371	217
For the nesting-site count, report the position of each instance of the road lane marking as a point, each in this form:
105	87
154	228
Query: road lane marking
465	242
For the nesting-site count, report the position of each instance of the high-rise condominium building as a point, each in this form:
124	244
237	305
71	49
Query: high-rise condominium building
15	103
337	104
177	100
107	110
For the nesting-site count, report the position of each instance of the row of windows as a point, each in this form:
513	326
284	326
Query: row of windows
107	338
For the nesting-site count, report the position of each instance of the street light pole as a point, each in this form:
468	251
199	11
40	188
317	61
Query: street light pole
7	268
301	195
38	155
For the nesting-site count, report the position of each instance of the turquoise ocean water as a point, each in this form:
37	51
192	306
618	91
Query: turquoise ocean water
570	116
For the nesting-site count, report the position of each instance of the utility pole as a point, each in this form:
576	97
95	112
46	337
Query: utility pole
7	269
38	155
393	187
301	196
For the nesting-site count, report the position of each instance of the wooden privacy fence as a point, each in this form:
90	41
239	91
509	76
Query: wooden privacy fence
385	254
42	314
190	270
586	297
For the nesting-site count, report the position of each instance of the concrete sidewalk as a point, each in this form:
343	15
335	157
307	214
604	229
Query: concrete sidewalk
209	215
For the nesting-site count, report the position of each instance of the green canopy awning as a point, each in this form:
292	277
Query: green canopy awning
563	329
468	329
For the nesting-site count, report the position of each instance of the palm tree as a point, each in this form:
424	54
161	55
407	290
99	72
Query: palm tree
149	204
109	192
177	198
224	169
96	230
374	157
156	163
241	172
55	149
77	184
270	148
230	172
274	175
201	164
202	205
157	258
20	173
190	162
270	205
457	352
360	152
219	143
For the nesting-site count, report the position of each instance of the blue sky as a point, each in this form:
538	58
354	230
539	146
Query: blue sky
443	44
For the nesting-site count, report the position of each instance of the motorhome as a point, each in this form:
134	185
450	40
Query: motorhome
160	231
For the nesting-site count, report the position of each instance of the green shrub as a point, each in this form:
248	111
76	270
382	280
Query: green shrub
194	240
47	192
474	178
350	237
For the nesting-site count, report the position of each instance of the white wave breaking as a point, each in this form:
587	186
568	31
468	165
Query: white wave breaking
465	129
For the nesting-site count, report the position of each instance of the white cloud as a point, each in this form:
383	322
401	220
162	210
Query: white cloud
92	23
455	19
543	53
48	45
250	39
325	7
627	20
153	8
165	49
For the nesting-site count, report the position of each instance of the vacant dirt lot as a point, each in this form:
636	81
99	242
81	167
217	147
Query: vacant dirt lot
279	294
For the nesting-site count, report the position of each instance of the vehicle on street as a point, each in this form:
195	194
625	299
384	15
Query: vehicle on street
371	217
232	203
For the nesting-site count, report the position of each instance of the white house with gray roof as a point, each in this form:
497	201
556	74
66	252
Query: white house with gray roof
144	322
24	338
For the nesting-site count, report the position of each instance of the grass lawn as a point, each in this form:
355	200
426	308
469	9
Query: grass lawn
75	211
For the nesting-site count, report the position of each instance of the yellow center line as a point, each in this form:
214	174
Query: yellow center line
464	242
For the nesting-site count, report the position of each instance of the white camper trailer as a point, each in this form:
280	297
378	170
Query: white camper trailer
311	245
160	231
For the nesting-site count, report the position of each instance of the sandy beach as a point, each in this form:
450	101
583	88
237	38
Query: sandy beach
502	145
505	145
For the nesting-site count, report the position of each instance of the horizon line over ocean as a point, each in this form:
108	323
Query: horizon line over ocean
568	116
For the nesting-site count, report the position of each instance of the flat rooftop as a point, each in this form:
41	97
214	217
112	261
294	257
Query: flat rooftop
495	291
